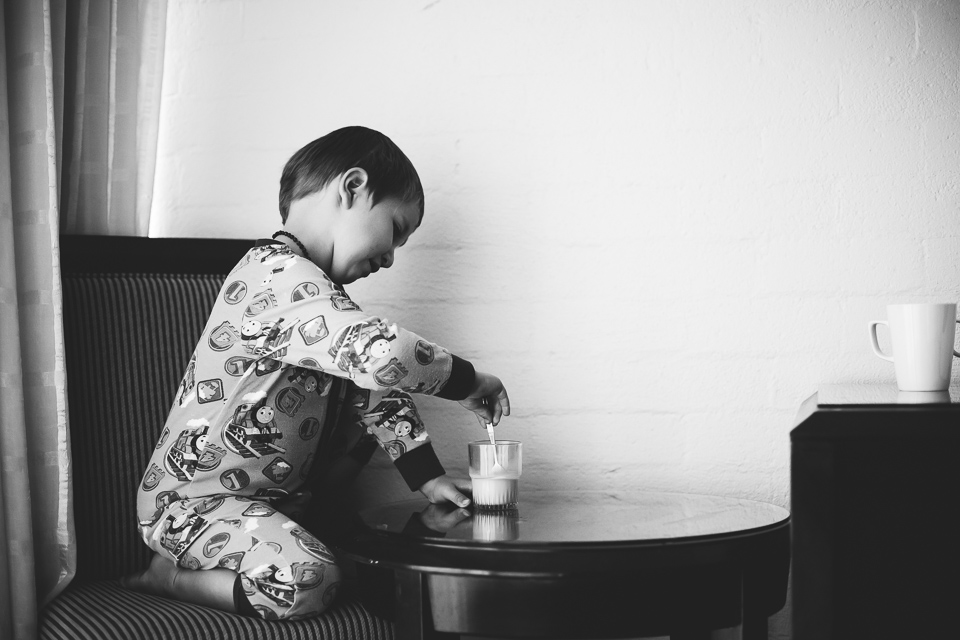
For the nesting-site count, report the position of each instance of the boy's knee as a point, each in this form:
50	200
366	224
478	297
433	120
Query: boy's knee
292	593
313	601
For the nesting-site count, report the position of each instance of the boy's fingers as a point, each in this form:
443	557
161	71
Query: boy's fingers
457	498
463	484
454	518
505	401
448	490
497	413
486	413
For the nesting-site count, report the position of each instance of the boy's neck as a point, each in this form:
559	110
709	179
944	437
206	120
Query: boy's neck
310	219
293	242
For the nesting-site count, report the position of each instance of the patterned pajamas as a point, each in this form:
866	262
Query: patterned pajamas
249	426
285	571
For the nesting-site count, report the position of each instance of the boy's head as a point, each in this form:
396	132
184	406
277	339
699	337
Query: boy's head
390	174
352	198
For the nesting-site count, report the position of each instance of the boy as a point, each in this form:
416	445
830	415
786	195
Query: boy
291	381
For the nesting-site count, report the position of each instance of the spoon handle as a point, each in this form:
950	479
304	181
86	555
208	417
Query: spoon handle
493	441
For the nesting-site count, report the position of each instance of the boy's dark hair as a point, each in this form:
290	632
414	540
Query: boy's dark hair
390	173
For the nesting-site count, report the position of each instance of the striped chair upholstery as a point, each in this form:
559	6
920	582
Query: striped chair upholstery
133	311
103	610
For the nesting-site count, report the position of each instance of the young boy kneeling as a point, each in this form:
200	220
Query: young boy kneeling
221	494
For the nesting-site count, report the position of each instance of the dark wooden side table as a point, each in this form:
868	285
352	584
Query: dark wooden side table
576	565
874	483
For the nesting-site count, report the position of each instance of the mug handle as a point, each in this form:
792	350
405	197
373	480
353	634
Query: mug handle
955	348
876	344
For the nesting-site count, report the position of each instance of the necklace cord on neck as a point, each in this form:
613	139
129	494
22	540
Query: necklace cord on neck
296	240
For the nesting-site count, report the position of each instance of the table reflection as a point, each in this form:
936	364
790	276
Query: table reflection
829	395
576	517
462	524
923	397
496	526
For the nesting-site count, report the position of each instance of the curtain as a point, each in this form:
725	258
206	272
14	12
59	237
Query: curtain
76	122
111	104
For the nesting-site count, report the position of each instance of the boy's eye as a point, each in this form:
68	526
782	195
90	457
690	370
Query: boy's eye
396	232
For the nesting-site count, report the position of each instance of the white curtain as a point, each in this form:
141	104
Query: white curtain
79	83
113	67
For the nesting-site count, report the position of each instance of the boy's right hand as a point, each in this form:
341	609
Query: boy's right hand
488	399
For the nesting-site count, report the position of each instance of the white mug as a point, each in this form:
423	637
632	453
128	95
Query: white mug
922	343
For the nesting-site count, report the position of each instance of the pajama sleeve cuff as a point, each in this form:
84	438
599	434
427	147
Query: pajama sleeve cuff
458	385
419	465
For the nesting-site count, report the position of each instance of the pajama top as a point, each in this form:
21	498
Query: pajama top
249	413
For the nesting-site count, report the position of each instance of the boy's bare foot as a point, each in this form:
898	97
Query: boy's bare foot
157	579
213	588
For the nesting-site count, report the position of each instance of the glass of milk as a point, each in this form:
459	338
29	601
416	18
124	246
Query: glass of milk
496	480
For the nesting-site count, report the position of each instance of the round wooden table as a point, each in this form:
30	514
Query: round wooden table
575	565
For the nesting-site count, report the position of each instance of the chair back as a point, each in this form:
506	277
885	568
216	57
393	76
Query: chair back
134	309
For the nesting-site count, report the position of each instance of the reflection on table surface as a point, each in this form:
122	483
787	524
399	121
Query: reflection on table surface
830	395
578	516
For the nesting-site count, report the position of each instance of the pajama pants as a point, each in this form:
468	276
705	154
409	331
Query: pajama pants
285	572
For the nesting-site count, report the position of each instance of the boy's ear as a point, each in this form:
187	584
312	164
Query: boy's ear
352	183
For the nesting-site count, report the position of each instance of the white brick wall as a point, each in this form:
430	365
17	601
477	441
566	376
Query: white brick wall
662	224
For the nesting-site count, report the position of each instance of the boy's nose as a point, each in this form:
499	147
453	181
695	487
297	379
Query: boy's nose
387	261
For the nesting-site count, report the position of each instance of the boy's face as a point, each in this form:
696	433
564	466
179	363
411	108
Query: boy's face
365	237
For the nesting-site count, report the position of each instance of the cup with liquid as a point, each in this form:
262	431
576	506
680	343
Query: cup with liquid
495	479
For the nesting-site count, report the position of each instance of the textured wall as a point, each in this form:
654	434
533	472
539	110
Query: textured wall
662	224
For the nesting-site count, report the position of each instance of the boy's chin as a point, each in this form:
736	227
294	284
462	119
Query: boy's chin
347	279
353	275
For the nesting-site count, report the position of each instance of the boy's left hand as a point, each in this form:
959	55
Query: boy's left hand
446	489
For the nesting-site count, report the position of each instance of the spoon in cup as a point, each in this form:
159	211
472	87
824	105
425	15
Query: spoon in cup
497	467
